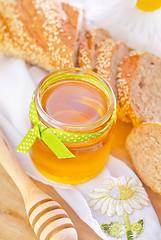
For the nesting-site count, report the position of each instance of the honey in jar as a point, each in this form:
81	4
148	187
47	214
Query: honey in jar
76	101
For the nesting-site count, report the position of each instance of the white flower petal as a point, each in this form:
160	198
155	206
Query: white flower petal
98	204
100	189
116	181
133	182
119	208
108	182
111	208
104	206
123	181
92	202
141	195
142	201
138	189
96	195
134	204
127	207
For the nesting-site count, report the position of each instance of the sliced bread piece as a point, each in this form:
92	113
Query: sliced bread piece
108	57
144	146
138	83
45	33
88	45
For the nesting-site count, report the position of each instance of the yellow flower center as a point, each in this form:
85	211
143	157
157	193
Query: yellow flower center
121	192
125	192
148	5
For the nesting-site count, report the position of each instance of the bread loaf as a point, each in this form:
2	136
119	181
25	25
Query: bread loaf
43	32
144	146
88	46
108	57
138	83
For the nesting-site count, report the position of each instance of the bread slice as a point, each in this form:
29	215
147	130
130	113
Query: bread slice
108	57
76	17
88	45
138	83
144	146
45	33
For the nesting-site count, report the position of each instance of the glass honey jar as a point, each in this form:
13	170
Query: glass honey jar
79	102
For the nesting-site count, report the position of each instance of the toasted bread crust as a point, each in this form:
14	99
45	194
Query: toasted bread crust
127	72
121	115
107	49
88	45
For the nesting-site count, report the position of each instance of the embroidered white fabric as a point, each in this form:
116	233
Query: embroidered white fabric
17	83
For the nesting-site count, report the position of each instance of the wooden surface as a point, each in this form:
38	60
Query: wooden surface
14	223
13	220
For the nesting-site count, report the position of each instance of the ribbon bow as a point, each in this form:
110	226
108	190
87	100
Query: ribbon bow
45	134
55	138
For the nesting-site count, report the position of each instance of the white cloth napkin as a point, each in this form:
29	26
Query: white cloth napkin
17	84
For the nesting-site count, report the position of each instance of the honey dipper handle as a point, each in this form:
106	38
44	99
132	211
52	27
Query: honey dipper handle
11	164
35	200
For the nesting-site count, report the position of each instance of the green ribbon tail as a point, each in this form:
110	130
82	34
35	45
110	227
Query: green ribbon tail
51	140
28	140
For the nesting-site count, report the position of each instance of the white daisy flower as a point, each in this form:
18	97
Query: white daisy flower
119	196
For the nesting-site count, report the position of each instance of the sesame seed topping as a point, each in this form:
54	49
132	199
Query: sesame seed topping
40	50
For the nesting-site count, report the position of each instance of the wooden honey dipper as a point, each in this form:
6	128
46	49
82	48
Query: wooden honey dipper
47	218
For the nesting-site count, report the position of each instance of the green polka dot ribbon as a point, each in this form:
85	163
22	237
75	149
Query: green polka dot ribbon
55	138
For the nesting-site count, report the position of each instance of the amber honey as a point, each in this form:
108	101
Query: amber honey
75	103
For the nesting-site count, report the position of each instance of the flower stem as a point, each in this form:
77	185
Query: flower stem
128	227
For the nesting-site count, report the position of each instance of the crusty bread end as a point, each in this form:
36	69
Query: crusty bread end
138	87
144	147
